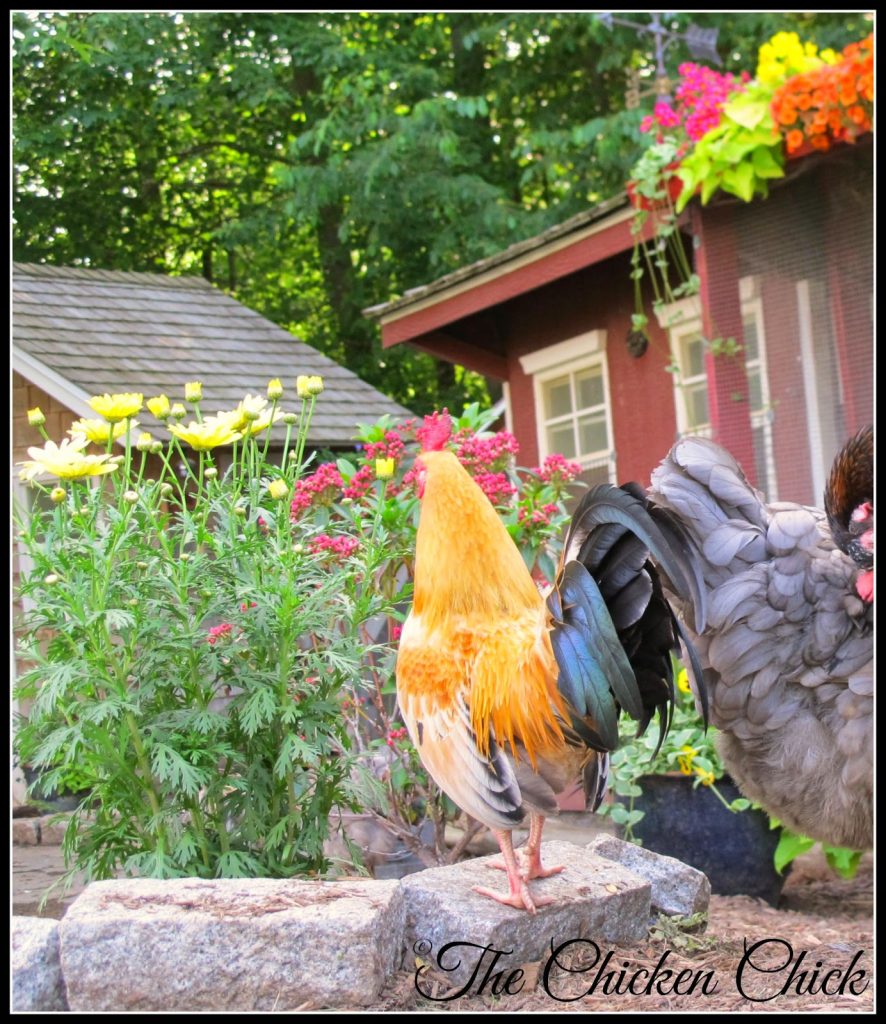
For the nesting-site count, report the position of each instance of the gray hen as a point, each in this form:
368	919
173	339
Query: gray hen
787	649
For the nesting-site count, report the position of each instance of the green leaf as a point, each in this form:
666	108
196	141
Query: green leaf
789	847
747	113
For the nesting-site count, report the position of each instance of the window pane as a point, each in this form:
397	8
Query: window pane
592	434
755	389
697	404
561	439
760	460
751	346
558	400
590	389
693	356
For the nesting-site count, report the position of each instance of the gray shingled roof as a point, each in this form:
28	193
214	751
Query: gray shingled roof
111	331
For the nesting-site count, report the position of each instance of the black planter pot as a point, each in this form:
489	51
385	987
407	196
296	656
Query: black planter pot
735	850
54	801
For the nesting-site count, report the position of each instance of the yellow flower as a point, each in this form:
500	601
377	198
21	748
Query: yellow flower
194	391
252	415
36	417
384	468
278	489
65	461
99	431
685	761
212	432
707	778
275	389
307	386
159	407
683	681
117	407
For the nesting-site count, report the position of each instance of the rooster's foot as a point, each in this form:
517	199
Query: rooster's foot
520	900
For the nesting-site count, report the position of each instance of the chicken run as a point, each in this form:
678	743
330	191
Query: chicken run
508	696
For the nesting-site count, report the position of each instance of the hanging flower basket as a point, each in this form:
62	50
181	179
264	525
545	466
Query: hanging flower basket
674	187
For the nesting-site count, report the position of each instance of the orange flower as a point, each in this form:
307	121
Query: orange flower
857	114
794	140
821	142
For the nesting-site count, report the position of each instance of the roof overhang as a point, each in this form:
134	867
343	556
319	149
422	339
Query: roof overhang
578	243
63	391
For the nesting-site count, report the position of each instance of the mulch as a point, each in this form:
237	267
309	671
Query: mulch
813	953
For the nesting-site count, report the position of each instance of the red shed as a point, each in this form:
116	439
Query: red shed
789	277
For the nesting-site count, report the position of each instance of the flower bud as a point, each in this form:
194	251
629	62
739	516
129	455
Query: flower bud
301	386
315	385
141	565
193	391
133	602
290	418
278	489
210	473
178	411
184	557
292	456
240	511
166	489
298	548
36	417
156	447
50	579
58	494
130	496
384	468
249	414
144	442
117	460
275	389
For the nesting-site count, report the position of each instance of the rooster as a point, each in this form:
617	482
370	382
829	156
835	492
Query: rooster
788	644
509	698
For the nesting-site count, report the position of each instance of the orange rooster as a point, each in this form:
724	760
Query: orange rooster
508	700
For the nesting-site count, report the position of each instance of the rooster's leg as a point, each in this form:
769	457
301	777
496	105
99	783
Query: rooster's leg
519	895
533	851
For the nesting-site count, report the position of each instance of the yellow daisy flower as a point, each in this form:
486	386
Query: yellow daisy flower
278	489
212	432
194	391
99	431
159	407
66	461
252	415
117	407
685	759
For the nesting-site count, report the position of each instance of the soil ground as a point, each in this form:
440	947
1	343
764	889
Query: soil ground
827	918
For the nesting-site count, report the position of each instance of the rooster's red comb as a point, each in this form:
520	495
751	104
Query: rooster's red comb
435	432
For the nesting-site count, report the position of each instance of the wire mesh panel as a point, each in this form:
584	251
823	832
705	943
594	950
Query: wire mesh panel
805	266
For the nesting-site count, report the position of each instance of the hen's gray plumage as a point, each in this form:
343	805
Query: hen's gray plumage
788	646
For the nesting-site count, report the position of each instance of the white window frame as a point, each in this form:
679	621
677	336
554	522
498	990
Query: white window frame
567	358
684	317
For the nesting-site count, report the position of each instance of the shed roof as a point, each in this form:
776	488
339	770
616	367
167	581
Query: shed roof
80	332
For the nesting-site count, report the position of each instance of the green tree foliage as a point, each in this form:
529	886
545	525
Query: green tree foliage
314	164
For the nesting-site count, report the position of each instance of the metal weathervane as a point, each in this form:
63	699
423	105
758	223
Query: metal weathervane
701	42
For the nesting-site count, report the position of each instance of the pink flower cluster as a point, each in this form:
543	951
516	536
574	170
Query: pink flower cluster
340	547
485	454
496	486
700	97
391	447
218	631
360	483
558	469
323	486
538	516
394	735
